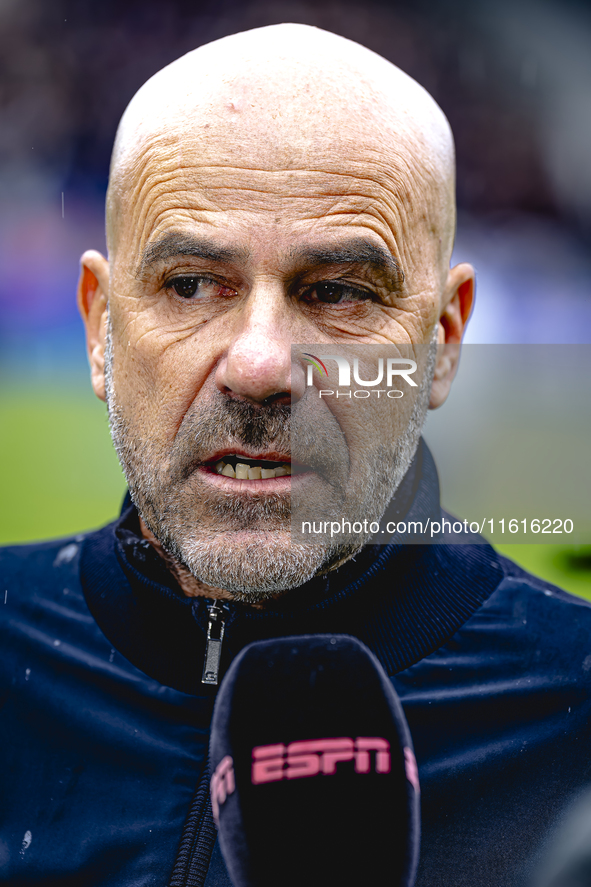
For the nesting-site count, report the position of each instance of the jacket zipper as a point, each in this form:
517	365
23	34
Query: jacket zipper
213	644
199	832
197	840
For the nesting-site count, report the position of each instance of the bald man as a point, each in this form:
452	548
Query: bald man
278	188
304	196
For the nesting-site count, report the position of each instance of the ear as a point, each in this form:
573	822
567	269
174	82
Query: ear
93	289
457	301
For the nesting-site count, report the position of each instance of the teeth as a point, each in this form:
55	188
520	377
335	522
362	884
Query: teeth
245	472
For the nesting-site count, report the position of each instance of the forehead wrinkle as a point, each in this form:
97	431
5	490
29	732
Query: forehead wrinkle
208	191
131	168
152	211
384	180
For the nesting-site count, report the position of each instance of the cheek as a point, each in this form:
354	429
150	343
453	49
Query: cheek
158	372
372	423
374	409
411	323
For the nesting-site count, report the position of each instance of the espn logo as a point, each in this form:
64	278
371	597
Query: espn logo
223	783
309	757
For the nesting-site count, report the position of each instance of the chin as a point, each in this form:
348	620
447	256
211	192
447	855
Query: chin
253	566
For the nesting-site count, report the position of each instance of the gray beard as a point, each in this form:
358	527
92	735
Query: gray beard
268	561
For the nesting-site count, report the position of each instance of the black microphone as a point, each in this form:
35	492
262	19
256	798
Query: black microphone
314	780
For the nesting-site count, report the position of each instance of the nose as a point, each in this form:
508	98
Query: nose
257	364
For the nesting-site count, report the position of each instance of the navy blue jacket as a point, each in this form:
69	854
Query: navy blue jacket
104	720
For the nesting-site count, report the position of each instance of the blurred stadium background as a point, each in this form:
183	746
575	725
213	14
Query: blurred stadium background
513	77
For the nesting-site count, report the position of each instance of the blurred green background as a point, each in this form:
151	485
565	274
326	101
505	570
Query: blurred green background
59	472
60	475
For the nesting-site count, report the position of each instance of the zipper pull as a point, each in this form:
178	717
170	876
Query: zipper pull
213	644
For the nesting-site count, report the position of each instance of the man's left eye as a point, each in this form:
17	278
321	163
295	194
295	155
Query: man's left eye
189	287
332	292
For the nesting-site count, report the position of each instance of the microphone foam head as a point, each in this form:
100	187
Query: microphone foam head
314	778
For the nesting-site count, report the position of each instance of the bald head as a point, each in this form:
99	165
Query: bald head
288	99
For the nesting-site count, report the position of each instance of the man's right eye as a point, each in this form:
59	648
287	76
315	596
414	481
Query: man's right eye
189	287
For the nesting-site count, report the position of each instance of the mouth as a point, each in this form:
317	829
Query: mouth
241	467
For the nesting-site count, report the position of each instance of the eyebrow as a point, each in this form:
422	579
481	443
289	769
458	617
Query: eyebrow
354	252
176	244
